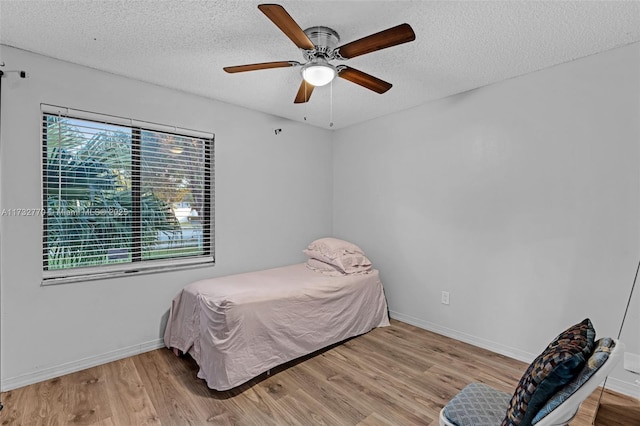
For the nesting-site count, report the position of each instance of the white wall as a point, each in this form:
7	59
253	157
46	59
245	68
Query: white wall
522	199
273	196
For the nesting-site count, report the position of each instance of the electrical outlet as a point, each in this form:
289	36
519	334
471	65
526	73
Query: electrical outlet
445	298
632	362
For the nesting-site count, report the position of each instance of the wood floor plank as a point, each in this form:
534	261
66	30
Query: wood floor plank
375	419
164	393
305	409
86	396
104	422
384	362
402	403
397	375
130	402
43	406
279	385
280	409
313	378
17	405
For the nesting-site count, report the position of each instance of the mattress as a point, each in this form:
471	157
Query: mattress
239	326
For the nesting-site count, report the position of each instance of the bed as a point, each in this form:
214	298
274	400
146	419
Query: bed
240	326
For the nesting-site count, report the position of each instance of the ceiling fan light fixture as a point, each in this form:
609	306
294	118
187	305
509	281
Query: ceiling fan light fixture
318	73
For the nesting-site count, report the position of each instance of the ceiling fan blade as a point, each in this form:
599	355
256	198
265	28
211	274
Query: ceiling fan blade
287	25
364	80
260	66
402	33
304	92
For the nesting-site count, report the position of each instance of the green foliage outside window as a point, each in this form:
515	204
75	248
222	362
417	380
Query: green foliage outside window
109	191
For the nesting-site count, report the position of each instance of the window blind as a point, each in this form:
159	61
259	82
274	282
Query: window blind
121	195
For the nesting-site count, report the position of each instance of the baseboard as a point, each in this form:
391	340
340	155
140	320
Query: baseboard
613	384
10	383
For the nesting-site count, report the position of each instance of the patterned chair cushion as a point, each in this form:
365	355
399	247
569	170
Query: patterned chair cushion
477	405
551	370
598	357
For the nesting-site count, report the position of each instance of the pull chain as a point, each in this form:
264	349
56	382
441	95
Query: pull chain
306	100
331	104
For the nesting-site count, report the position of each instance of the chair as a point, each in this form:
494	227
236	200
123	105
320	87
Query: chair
481	405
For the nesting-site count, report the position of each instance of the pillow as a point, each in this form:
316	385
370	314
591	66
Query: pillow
324	268
333	247
551	370
596	360
348	263
345	256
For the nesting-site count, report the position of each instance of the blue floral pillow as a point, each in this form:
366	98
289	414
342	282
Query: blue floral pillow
550	371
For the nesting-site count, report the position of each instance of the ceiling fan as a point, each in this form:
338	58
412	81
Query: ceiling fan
318	45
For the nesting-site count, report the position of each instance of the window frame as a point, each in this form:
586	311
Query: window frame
137	264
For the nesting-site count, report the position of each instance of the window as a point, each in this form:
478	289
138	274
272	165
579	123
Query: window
122	196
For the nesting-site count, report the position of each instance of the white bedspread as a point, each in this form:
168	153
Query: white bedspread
239	326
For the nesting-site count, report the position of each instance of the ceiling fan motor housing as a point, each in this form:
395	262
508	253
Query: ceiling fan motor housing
325	41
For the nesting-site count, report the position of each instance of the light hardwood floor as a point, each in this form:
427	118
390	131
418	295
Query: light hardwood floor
398	375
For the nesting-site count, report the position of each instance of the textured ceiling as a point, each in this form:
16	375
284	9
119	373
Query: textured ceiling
460	45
